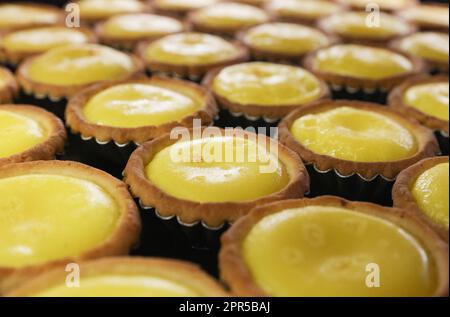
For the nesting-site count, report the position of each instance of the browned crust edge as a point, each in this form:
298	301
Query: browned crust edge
119	243
270	112
395	101
403	197
11	88
181	272
429	26
46	150
427	142
78	124
385	84
235	273
212	214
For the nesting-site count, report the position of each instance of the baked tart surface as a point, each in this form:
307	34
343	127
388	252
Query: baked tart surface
8	86
92	11
328	247
180	7
384	5
428	16
31	15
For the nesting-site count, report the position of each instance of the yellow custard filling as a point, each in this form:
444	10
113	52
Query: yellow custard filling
190	48
231	15
183	4
306	8
355	24
331	251
79	65
428	14
431	99
362	62
355	135
135	26
267	84
115	285
285	38
429	45
99	9
47	217
19	133
383	4
42	39
17	15
217	169
431	193
137	105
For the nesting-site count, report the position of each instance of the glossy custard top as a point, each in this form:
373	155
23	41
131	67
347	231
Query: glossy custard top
100	9
46	217
390	5
431	99
183	4
267	84
217	169
306	8
331	251
429	45
355	135
428	14
430	191
16	15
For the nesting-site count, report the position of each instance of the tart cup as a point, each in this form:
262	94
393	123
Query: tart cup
89	19
362	181
439	126
110	147
179	12
202	223
236	274
350	87
48	149
9	90
121	240
391	8
404	199
426	24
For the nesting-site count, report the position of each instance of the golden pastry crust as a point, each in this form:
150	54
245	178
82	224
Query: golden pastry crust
427	144
16	57
55	92
384	84
269	112
182	272
396	102
46	150
48	7
121	240
214	215
78	124
404	199
235	273
11	89
191	71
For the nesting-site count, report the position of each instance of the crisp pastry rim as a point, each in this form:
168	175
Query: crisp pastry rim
182	272
212	214
427	143
46	150
234	271
396	101
120	241
403	197
11	88
255	110
57	92
77	122
383	84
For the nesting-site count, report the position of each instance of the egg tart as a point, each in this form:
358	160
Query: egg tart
227	18
423	190
431	16
17	45
210	177
125	31
179	8
426	100
29	133
330	247
63	71
353	27
261	89
15	16
355	149
283	42
8	86
432	47
92	11
362	72
383	5
190	55
59	212
125	277
256	3
303	11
